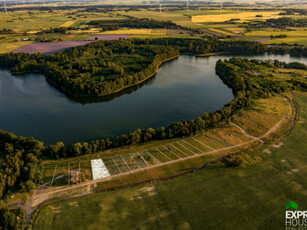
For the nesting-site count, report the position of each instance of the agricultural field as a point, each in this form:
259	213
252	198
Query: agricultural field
238	16
258	193
292	37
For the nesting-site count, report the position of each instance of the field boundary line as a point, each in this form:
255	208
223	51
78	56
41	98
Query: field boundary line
186	148
193	146
143	159
53	175
171	152
125	162
120	171
180	150
203	143
163	154
153	156
134	160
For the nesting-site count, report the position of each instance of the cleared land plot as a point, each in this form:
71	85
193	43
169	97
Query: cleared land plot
99	169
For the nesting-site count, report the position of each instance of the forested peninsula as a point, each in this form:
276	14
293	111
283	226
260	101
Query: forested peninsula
106	67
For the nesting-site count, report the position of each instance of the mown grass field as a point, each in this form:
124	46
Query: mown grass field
212	198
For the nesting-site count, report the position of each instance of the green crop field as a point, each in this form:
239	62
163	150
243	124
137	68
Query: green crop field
214	198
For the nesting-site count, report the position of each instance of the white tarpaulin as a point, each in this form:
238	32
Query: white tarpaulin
99	170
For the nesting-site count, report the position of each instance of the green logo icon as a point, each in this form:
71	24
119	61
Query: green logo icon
291	204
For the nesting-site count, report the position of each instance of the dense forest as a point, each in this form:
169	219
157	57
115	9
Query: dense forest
97	69
11	219
132	23
20	166
89	70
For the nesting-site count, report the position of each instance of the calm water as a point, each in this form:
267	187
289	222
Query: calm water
182	89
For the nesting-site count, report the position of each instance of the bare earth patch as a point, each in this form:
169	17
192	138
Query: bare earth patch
268	151
278	145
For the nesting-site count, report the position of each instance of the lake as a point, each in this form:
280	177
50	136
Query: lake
183	88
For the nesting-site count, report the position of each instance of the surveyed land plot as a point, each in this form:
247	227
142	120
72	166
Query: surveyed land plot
81	171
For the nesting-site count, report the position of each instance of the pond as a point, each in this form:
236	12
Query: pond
183	88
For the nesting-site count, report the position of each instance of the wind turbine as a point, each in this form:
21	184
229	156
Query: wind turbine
5	9
160	7
221	7
187	6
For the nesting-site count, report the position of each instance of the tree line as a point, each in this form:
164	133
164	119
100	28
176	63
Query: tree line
279	23
132	22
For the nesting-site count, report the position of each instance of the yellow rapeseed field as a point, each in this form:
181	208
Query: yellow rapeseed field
67	24
243	16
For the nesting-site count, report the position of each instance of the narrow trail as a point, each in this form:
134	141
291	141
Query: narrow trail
40	197
274	128
247	134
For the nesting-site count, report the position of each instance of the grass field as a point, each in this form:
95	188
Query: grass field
263	115
214	198
9	46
